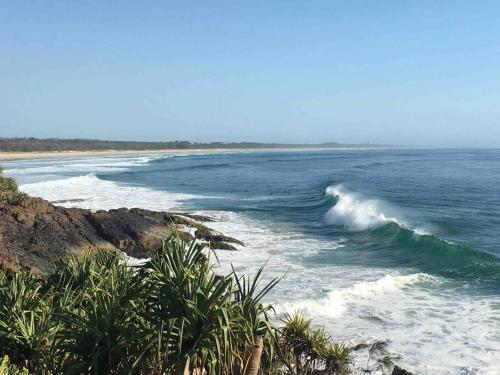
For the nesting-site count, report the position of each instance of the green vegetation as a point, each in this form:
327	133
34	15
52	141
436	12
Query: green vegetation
7	369
56	144
310	349
8	190
170	315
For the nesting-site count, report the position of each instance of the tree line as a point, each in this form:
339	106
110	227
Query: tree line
57	144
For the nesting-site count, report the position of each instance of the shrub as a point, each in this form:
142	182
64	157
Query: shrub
9	192
171	315
27	328
311	350
98	315
7	369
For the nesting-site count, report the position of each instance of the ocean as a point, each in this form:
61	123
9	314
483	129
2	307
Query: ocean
374	244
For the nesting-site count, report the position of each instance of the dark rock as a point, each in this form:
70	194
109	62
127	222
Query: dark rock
360	346
34	233
400	371
217	245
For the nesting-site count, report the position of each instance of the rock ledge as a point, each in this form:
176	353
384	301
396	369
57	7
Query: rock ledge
35	233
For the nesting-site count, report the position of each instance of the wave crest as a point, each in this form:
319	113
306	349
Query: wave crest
355	212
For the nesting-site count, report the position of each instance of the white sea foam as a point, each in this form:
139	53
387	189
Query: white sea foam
333	305
358	213
131	261
93	193
432	329
355	212
85	165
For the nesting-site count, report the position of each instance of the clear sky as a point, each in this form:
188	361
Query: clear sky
400	72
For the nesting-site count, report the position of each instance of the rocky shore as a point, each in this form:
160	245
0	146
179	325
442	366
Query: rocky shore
35	233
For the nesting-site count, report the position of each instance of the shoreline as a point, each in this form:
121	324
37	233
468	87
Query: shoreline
7	156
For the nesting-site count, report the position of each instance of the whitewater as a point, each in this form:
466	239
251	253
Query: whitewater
395	245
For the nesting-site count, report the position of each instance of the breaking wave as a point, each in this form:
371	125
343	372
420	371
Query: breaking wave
395	240
355	212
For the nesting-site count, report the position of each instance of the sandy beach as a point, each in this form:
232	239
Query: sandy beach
4	156
69	154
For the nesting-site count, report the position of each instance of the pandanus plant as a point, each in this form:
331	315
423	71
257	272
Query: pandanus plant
27	327
189	306
104	327
6	368
171	315
256	331
205	322
307	350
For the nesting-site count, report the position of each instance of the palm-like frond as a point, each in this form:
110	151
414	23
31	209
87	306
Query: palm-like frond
27	328
172	314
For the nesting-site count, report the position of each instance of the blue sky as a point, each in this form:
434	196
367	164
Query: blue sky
401	72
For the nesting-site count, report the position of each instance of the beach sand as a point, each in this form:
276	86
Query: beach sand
69	154
4	156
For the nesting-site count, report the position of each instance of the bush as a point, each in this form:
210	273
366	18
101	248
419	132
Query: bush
7	369
171	315
99	315
9	192
309	350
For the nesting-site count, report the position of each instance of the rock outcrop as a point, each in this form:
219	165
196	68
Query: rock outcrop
35	233
400	371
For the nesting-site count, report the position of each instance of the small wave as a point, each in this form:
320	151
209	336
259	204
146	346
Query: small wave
159	158
203	167
107	164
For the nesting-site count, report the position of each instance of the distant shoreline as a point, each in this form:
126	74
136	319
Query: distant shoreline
69	154
29	147
6	156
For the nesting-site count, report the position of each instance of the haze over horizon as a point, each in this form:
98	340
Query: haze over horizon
415	74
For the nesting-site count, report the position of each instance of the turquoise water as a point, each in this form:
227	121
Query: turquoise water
452	195
375	244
